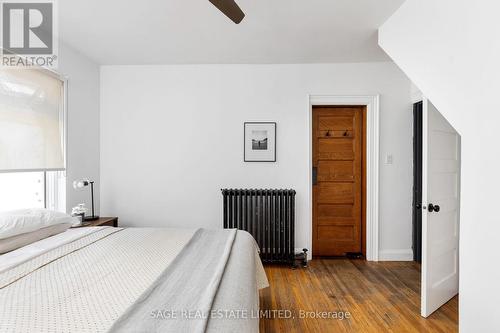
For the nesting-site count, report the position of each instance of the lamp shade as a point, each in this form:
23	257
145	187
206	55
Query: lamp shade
80	183
31	120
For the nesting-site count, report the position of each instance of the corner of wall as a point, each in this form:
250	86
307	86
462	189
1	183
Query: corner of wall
83	153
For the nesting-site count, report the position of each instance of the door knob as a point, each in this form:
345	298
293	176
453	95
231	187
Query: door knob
434	208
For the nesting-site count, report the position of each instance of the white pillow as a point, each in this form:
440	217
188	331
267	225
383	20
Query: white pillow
21	221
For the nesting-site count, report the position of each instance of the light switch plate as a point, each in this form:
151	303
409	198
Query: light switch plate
388	159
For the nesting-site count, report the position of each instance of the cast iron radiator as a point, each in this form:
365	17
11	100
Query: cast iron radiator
268	215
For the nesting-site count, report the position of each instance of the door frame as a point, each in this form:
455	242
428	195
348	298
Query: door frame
372	162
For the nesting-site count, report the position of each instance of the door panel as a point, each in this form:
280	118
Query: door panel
335	211
333	148
336	170
440	230
337	233
337	195
336	123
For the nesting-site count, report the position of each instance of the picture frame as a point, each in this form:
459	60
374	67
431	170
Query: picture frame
259	141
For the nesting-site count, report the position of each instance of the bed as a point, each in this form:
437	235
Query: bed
104	279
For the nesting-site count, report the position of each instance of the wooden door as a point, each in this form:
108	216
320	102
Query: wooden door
338	180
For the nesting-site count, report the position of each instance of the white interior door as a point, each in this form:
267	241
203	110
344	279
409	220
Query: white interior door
441	210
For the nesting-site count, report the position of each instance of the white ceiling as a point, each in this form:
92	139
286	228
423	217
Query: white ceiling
194	31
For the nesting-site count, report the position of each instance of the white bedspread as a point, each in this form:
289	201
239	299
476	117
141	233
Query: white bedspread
88	289
188	285
86	284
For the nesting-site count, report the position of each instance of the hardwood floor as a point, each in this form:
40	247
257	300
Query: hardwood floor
380	297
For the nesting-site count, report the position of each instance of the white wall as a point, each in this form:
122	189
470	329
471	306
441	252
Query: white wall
83	123
172	137
450	49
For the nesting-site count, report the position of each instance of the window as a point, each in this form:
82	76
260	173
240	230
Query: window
40	189
22	190
32	140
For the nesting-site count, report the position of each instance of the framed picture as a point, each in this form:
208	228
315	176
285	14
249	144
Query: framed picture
260	142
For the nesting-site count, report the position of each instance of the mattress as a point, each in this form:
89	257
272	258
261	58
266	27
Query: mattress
86	280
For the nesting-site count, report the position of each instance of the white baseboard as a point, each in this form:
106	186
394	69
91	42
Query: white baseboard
384	255
395	255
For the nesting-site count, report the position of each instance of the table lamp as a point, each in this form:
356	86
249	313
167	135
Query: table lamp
77	184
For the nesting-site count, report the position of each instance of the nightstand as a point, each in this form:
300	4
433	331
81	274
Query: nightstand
102	221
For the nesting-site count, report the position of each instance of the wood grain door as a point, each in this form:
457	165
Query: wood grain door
338	180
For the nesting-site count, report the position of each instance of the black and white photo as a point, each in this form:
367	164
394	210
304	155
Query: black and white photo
260	142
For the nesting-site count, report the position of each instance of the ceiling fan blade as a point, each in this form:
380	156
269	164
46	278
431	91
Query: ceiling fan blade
230	9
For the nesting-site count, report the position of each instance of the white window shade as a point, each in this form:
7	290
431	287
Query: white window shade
31	120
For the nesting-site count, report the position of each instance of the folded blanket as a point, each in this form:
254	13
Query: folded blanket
197	271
